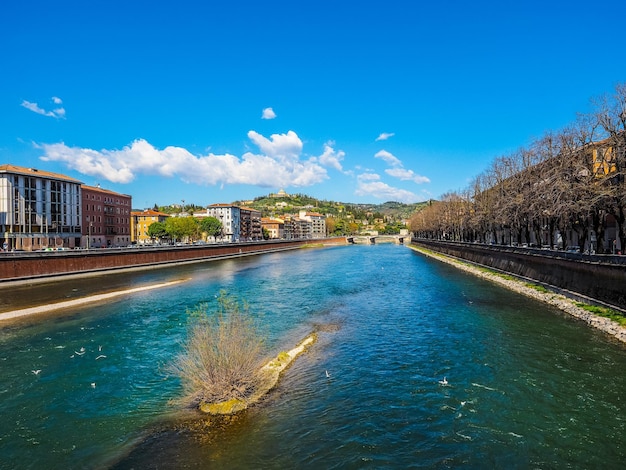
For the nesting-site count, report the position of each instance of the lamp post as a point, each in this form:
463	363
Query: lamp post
89	235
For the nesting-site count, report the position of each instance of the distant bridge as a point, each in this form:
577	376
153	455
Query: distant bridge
374	239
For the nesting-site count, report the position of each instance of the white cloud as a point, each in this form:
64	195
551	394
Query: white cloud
385	136
407	175
398	170
268	113
283	147
389	158
369	184
55	113
278	165
331	157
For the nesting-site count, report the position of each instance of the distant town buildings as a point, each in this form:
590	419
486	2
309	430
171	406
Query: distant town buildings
41	210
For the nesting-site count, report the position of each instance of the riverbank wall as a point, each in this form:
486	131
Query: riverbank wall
19	266
598	277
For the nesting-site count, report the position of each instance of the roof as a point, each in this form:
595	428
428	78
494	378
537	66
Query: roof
101	190
149	213
20	170
250	209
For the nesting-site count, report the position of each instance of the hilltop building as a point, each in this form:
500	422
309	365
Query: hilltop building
279	194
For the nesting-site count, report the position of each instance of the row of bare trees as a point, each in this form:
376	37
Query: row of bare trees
565	188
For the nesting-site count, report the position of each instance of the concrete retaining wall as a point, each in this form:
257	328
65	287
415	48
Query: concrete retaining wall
31	265
601	277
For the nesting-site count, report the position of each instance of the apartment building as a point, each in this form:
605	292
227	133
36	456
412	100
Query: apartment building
139	223
250	224
318	223
106	219
230	218
275	227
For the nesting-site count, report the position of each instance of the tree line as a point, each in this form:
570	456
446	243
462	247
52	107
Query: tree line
564	188
185	228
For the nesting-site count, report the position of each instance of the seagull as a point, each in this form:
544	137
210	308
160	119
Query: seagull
101	356
327	374
99	348
36	372
93	385
82	351
444	381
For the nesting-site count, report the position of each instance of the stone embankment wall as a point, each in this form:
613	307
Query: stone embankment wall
600	277
23	265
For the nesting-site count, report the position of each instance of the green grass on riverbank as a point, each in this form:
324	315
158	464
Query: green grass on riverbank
606	312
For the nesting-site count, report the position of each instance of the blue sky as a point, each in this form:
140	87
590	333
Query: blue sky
208	101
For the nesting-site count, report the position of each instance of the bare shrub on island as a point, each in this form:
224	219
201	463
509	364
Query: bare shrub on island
222	357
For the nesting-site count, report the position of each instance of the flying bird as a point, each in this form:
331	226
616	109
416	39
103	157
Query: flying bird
36	372
444	381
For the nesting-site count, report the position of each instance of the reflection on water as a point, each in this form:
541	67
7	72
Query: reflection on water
527	386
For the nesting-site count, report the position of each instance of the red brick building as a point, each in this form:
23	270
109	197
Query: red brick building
105	218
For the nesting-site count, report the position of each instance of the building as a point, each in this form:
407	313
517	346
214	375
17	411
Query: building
38	209
105	218
296	228
139	223
275	227
230	218
280	194
250	224
318	223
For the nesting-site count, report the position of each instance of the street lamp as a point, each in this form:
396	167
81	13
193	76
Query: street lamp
89	234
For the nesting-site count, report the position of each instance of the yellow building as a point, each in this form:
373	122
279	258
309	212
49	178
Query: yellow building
140	221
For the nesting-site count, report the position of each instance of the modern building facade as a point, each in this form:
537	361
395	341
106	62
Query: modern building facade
105	218
38	209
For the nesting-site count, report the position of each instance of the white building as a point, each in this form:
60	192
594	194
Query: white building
38	209
318	223
230	217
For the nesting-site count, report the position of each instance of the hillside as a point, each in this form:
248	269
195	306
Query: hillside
391	211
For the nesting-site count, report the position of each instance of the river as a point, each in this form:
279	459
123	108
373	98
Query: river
527	386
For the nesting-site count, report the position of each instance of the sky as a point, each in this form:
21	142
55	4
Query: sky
363	102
